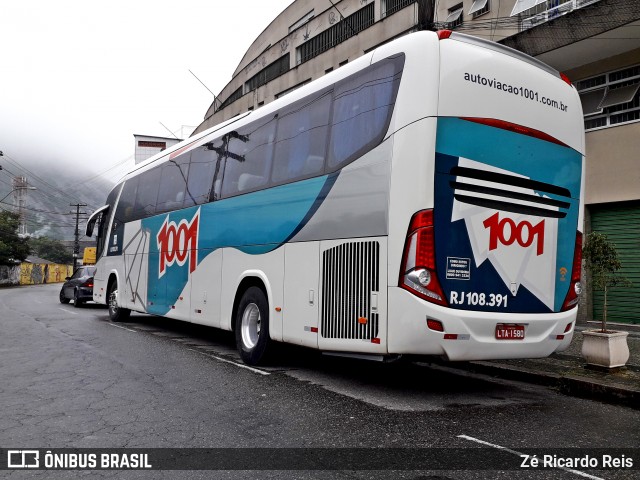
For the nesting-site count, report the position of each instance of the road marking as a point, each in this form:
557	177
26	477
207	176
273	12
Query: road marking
515	452
120	326
67	311
254	370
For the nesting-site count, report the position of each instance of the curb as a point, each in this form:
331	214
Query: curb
576	386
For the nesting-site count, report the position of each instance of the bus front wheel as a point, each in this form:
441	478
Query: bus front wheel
252	326
116	313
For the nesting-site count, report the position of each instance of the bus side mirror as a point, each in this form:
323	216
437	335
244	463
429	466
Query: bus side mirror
95	216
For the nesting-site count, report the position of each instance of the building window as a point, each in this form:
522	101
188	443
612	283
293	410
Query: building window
291	89
301	22
455	16
268	73
610	99
389	7
478	8
230	99
336	34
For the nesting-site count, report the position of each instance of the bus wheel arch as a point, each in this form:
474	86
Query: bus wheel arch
250	321
116	313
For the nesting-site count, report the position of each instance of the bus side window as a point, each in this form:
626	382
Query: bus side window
124	212
248	157
362	109
302	138
201	171
173	183
147	193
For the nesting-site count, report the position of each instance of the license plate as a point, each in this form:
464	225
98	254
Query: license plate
506	331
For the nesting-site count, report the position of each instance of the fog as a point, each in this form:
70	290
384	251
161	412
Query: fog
78	78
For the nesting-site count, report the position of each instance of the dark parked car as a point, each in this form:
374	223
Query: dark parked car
78	287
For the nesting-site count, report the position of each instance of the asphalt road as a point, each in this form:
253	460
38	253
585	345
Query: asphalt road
69	378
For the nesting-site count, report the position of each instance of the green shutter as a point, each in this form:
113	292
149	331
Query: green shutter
621	223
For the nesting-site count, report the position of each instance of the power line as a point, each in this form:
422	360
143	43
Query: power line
100	174
38	178
51	212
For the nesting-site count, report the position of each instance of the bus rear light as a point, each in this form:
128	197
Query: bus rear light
514	127
575	289
435	325
565	78
568	327
444	34
418	270
376	341
450	336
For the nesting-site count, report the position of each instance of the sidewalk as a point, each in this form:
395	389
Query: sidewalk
568	372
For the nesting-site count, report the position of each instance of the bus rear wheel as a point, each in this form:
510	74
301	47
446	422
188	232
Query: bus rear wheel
116	313
252	326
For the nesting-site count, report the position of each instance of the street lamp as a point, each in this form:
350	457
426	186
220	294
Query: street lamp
15	190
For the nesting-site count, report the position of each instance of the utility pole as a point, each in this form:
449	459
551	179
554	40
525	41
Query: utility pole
76	244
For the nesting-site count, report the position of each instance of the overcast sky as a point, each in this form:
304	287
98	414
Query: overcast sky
78	78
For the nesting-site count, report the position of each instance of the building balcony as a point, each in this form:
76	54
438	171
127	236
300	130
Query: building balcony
548	10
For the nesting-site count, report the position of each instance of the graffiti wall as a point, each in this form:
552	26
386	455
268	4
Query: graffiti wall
34	274
9	275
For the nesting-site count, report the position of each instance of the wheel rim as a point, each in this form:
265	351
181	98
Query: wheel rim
113	302
250	326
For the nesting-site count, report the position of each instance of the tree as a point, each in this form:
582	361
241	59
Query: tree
603	264
50	249
13	249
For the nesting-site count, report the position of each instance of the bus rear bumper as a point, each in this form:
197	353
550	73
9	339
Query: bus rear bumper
471	335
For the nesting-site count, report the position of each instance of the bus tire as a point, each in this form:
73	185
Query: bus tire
252	326
116	313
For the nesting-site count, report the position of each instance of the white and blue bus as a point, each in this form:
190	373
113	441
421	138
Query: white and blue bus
424	199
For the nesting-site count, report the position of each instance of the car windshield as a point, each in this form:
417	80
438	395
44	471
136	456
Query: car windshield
84	272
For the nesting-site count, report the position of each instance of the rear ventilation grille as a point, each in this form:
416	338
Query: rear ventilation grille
349	282
499	191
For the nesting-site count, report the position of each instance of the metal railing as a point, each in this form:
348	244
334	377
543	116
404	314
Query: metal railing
554	9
